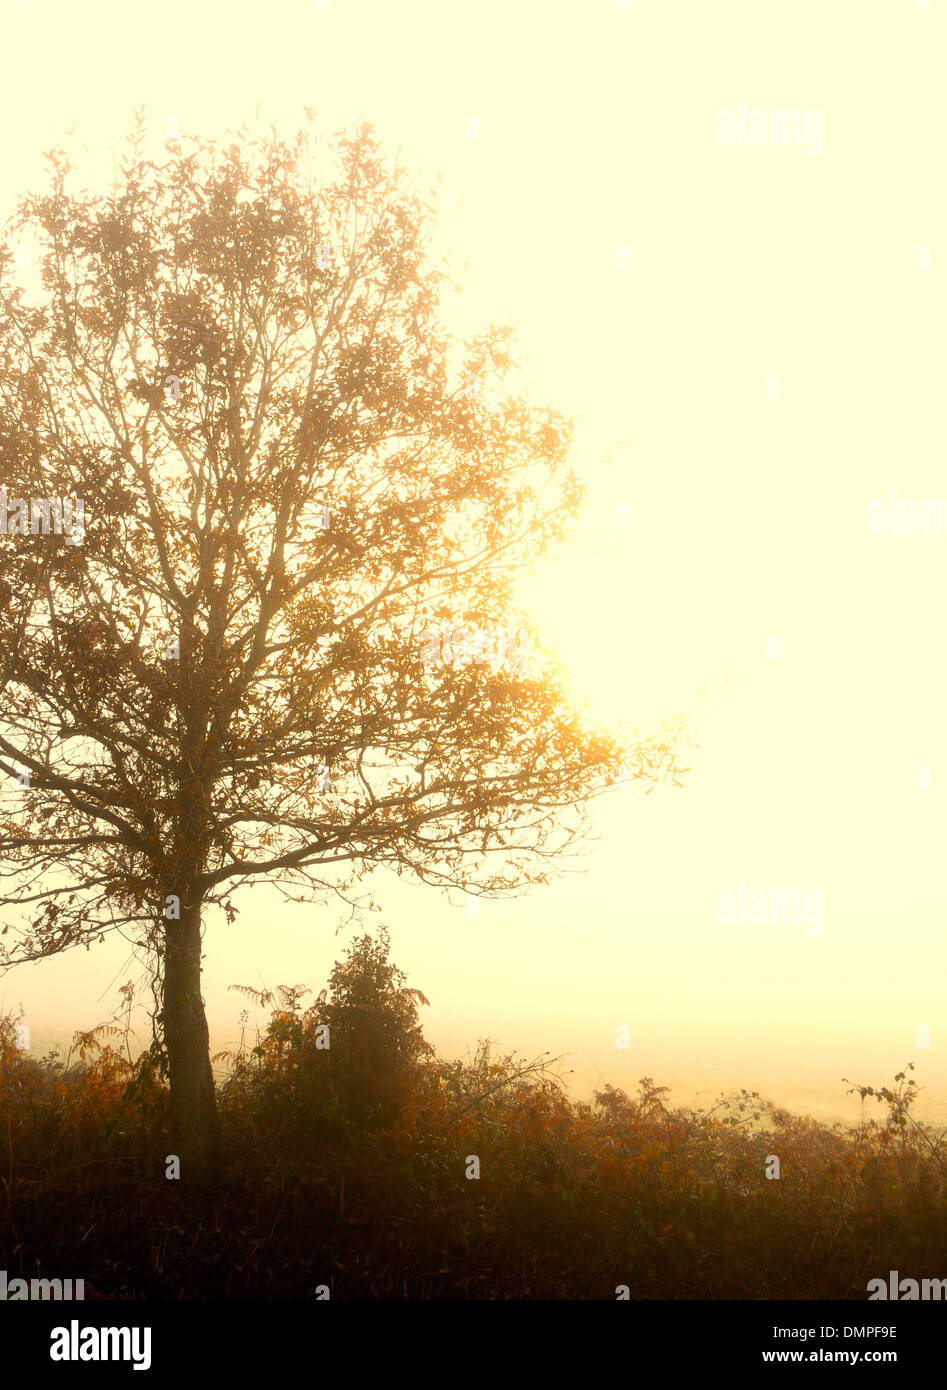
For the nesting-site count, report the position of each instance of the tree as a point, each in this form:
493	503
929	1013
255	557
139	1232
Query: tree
376	1038
349	1063
293	480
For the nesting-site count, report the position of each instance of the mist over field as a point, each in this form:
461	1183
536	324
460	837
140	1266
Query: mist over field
473	754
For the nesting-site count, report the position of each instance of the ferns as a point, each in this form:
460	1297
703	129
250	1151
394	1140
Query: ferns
346	1163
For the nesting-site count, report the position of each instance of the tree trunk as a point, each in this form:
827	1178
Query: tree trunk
193	1101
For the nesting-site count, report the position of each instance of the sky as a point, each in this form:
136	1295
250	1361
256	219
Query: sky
744	311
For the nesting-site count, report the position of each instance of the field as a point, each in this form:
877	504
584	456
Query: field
355	1163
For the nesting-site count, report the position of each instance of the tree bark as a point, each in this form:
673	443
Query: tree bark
193	1099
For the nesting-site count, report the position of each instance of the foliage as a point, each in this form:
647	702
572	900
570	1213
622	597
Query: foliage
346	1166
295	482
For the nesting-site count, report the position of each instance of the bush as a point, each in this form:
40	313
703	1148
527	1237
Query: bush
348	1165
